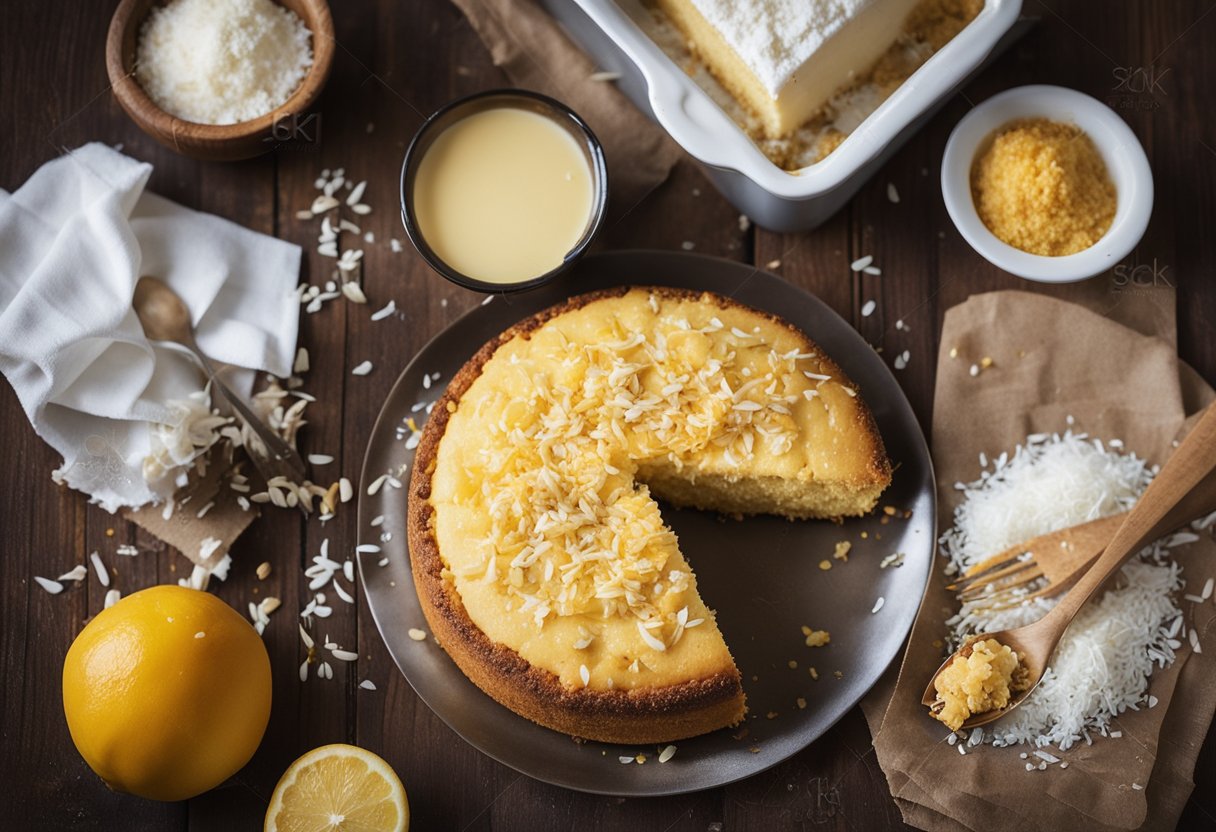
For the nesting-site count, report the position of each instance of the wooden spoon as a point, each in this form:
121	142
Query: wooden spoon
1153	515
165	317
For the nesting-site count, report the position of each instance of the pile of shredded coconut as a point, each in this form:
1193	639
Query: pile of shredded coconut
222	61
177	447
1104	660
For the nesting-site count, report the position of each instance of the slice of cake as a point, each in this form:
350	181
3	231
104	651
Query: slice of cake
783	59
540	556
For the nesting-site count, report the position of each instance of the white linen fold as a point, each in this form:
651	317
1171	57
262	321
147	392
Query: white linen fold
74	239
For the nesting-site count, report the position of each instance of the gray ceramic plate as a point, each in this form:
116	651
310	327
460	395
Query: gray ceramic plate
761	607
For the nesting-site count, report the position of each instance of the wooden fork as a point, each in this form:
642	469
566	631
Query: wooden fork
1060	557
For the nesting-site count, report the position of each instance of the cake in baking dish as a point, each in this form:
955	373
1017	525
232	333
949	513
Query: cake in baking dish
539	553
783	59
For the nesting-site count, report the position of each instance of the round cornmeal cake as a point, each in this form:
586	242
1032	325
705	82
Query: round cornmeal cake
539	553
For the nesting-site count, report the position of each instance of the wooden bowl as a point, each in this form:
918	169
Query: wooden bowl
216	141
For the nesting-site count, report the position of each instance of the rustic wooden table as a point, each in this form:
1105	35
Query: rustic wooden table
399	60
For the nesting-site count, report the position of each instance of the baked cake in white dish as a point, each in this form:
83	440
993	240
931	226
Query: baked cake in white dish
783	59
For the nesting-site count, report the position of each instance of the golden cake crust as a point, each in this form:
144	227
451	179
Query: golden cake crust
637	716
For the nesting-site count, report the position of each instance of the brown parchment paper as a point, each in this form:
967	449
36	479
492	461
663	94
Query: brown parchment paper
536	54
185	530
1052	359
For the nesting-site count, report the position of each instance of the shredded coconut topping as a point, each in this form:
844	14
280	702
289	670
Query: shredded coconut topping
570	532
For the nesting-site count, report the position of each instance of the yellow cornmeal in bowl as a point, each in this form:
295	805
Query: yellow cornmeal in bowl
1041	186
977	683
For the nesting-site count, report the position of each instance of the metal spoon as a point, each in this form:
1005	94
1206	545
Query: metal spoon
165	317
1154	514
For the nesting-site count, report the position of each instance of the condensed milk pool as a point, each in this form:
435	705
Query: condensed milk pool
502	190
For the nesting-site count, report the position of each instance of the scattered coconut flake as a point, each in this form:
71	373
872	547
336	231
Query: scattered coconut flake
892	193
667	753
878	604
874	270
604	76
584	674
623	760
113	596
416	634
346	491
382	313
362	369
78	573
323	203
103	575
208	546
53	587
367	684
901	360
861	262
353	292
867	308
344	655
651	642
320	459
301	364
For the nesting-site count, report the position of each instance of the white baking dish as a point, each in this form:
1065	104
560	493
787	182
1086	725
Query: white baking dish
776	199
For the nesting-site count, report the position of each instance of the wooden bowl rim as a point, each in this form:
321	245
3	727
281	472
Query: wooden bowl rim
151	118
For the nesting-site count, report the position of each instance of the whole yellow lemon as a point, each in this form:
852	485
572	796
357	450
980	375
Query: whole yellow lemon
167	693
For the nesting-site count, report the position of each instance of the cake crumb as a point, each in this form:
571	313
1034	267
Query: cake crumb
818	638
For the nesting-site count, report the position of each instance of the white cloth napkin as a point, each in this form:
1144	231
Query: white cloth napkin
74	239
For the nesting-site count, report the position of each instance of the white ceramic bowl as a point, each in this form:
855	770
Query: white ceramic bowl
773	198
1120	150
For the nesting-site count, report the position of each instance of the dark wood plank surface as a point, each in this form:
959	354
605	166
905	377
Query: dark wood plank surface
398	60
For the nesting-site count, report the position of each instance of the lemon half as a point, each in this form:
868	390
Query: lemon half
338	788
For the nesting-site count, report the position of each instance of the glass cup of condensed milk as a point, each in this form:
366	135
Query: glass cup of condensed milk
503	190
